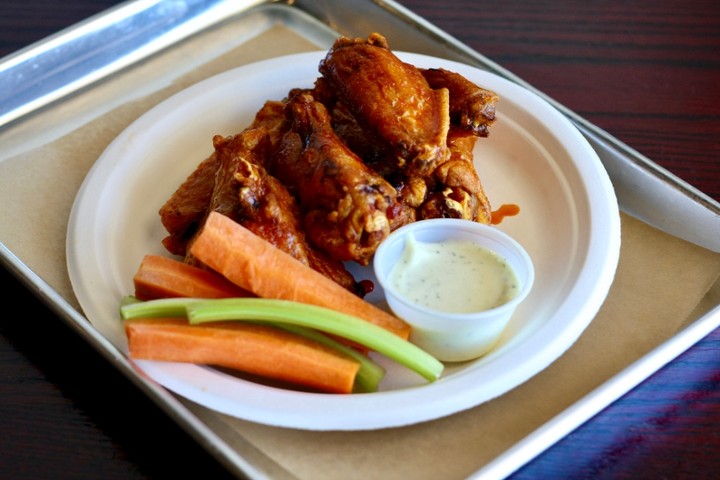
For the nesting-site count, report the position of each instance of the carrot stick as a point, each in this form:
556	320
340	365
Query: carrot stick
255	349
164	277
284	312
259	267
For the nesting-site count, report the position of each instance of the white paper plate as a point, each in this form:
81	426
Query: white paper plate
534	157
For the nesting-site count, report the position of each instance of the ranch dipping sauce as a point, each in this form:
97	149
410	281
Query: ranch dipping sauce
454	276
456	282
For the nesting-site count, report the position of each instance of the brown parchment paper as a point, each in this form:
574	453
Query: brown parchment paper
660	281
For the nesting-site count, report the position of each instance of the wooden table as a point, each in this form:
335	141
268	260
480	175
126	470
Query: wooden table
646	71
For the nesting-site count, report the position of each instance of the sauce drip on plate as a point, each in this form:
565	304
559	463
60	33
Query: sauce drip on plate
505	210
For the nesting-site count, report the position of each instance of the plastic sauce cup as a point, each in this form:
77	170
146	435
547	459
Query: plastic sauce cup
446	331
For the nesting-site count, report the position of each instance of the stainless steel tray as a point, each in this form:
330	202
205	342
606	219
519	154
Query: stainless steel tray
118	42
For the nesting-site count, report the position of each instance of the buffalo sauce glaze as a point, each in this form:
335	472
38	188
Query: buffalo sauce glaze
505	210
453	276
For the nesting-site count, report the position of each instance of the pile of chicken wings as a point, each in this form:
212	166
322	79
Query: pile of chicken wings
328	172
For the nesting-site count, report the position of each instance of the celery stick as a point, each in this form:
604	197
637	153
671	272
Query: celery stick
368	377
370	374
330	321
129	299
283	311
131	307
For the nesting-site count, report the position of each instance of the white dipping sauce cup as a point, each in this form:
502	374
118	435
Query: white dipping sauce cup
453	337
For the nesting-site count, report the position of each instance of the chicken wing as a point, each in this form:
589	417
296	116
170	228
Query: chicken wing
248	194
183	213
234	181
454	188
472	107
391	100
344	203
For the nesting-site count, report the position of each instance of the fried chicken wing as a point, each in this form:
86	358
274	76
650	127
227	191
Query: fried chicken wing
391	100
183	213
233	181
471	107
243	193
271	117
344	203
328	172
455	189
248	194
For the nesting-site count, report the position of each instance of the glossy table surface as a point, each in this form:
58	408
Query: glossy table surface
646	71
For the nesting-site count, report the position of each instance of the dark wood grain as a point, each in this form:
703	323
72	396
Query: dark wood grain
645	71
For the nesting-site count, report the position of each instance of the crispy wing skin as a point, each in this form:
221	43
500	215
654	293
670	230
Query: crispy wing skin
183	213
344	203
410	194
429	118
375	155
472	108
247	196
252	197
272	118
455	189
391	100
235	182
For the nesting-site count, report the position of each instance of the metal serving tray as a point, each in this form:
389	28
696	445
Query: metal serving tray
117	43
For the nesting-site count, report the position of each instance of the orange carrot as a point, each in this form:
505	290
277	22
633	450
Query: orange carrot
164	277
259	267
256	349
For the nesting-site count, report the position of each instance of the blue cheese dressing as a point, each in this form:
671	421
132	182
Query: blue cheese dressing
454	276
